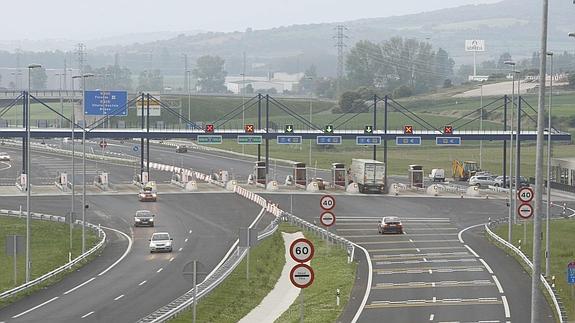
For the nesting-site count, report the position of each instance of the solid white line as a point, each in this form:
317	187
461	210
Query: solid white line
498	284
159	270
471	250
35	307
142	283
431	317
486	265
506	307
468	228
85	316
82	284
186	240
125	252
117	298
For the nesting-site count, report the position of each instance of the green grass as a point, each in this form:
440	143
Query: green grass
49	248
562	252
235	297
331	272
38	112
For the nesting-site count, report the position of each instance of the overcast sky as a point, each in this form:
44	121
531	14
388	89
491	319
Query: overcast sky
83	19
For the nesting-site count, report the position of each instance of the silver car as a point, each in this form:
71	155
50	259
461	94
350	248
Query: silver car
481	180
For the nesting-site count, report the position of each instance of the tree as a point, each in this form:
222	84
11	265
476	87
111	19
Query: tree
150	81
38	78
307	83
402	92
443	64
111	77
364	64
210	74
351	101
249	89
571	79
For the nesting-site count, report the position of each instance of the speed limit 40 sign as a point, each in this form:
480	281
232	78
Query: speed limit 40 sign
301	250
525	194
327	202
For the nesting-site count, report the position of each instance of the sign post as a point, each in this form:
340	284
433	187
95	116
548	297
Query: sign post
571	277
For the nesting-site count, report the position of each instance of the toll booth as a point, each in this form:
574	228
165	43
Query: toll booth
338	175
260	172
300	174
416	176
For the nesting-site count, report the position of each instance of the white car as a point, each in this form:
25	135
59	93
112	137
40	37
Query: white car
4	157
161	241
481	180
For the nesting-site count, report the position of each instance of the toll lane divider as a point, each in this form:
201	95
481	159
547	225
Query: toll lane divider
557	304
61	269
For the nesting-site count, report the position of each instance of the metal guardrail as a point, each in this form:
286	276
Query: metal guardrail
558	306
61	269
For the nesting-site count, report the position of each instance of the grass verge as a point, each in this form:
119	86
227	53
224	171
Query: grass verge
562	252
49	250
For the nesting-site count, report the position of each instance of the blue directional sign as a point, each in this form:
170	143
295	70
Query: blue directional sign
101	103
448	141
368	140
328	140
286	140
571	273
406	141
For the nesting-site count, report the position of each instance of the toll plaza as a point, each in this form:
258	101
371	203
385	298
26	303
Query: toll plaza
300	174
416	176
338	175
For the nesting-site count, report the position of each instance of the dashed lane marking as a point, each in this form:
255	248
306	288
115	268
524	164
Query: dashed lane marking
160	270
472	251
418	249
427	270
82	284
35	307
499	287
180	249
86	315
186	240
447	283
431	316
171	259
486	266
404	241
430	302
142	283
506	307
119	297
433	261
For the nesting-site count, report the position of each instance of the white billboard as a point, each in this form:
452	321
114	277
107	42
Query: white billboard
475	45
155	106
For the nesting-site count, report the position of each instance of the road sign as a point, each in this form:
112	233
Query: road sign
368	140
328	140
103	144
448	141
474	45
155	106
327	202
288	128
286	140
408	130
301	250
525	194
403	141
101	103
571	273
328	129
209	128
525	210
209	139
249	140
448	130
135	148
301	276
327	219
368	129
249	128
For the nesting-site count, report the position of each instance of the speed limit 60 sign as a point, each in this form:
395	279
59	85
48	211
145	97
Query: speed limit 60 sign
327	202
301	250
525	194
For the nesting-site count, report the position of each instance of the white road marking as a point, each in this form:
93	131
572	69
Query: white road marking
434	299
82	284
142	283
35	307
424	260
498	284
180	249
159	270
86	315
190	232
506	306
186	240
468	228
410	240
471	250
431	317
171	259
117	298
486	266
417	249
431	271
130	242
433	284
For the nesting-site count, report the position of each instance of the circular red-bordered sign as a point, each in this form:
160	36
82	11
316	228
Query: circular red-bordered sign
103	144
327	219
301	276
525	194
525	210
327	202
301	250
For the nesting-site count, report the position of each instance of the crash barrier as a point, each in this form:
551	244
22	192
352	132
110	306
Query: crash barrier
558	307
61	269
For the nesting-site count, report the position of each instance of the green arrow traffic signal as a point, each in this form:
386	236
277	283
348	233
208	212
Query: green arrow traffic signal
289	128
368	129
328	129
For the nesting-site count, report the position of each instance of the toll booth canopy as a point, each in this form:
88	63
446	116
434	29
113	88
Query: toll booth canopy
260	172
416	175
300	174
338	173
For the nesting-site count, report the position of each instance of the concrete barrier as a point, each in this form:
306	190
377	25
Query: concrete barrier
433	190
272	186
231	185
312	187
191	186
473	191
352	188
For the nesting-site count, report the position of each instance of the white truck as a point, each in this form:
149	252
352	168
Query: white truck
437	175
369	175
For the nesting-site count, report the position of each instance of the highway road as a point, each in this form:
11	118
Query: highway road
203	228
428	274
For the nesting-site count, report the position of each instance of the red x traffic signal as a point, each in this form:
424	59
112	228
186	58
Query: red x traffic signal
448	130
249	128
209	128
408	130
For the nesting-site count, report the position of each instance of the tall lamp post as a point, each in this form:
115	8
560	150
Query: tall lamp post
481	126
547	246
30	68
189	97
310	117
511	197
61	99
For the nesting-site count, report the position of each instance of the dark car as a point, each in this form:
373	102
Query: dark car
390	224
144	218
182	149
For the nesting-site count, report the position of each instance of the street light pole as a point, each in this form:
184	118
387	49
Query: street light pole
61	99
548	213
84	164
481	127
511	197
310	118
189	98
30	67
